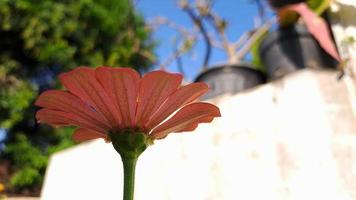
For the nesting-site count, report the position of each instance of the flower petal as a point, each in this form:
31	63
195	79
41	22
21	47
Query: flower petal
60	118
121	84
67	102
181	97
82	134
187	119
155	87
82	82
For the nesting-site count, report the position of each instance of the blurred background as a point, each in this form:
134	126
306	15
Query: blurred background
231	45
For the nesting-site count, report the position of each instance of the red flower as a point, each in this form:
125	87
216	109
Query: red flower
110	100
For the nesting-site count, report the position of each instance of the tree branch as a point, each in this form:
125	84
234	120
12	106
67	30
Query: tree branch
198	22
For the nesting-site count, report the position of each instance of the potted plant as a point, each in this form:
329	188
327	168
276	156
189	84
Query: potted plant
232	76
235	75
303	39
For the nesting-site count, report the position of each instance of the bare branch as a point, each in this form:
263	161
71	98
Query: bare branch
216	43
219	26
179	62
204	17
261	11
176	54
242	40
198	22
254	37
160	21
179	49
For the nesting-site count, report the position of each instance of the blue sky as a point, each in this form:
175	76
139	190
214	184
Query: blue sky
239	13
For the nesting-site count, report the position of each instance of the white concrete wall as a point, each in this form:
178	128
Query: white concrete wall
292	139
342	16
343	24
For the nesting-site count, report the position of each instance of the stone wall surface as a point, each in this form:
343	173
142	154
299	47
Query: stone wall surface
291	139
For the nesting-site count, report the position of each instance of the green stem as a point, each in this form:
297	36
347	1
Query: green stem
129	144
129	177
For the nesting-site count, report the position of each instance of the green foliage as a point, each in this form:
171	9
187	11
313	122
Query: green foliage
29	159
64	136
76	33
38	40
349	40
15	96
255	52
25	177
319	6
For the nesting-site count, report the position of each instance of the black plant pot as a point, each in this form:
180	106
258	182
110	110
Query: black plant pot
276	4
231	79
289	49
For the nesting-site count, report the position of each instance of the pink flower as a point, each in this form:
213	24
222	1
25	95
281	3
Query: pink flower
111	100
